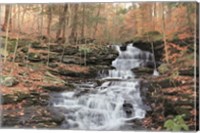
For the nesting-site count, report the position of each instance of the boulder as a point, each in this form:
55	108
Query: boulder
128	108
9	81
56	114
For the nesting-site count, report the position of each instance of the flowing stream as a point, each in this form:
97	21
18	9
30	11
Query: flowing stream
111	105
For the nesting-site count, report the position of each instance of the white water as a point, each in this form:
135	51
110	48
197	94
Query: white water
104	107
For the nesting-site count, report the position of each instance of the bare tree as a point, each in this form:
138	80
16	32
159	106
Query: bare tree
7	19
7	30
83	21
61	22
164	34
96	25
49	16
73	35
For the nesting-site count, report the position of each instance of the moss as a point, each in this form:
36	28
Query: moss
164	68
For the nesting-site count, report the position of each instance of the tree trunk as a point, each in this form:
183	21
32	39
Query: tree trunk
49	16
96	25
83	22
64	20
41	24
164	35
67	27
61	21
73	35
6	19
7	30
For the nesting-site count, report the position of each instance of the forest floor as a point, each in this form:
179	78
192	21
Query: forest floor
27	82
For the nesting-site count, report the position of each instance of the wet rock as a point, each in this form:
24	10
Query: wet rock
128	108
9	81
57	114
81	92
142	71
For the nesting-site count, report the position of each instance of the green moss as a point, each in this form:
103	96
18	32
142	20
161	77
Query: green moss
164	68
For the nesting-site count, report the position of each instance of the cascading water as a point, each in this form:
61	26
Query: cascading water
111	105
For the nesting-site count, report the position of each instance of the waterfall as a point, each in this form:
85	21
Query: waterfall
111	105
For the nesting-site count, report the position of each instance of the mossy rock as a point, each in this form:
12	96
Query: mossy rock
37	45
53	65
34	57
70	73
8	98
9	81
24	50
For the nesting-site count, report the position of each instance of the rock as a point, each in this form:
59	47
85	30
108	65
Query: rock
37	45
34	116
142	71
8	98
56	114
92	73
188	72
128	108
56	48
81	92
30	98
166	83
37	99
53	65
54	57
70	73
34	57
9	81
72	60
69	50
24	50
67	87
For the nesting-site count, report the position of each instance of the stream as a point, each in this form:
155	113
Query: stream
113	104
